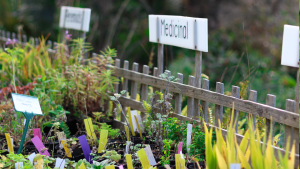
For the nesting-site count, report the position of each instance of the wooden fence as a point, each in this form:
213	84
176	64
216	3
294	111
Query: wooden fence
289	118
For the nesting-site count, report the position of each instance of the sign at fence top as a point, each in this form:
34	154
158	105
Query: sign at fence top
290	46
75	18
26	104
186	32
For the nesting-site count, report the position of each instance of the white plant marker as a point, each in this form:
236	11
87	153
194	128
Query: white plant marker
235	166
60	163
127	147
150	155
61	136
189	136
139	118
290	53
31	157
19	165
134	125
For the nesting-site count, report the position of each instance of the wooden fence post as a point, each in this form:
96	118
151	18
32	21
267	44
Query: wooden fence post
117	64
133	92
160	58
271	101
178	97
13	35
218	108
24	40
205	104
8	35
144	93
290	132
253	97
190	100
235	92
198	65
125	87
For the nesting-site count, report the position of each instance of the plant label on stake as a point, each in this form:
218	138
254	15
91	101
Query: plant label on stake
136	120
179	147
127	133
235	166
31	157
179	162
188	136
143	158
103	140
82	166
67	150
121	167
127	147
37	132
85	148
150	156
140	122
40	146
29	106
60	163
110	167
129	161
130	121
19	165
9	143
89	128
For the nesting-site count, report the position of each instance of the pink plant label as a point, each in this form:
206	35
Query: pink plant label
40	146
85	148
37	132
121	167
179	147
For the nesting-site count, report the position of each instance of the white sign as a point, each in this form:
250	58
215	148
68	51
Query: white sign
186	32
60	163
75	18
189	136
290	46
31	157
25	103
235	166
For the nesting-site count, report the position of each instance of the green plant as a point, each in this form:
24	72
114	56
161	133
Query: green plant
10	160
197	146
112	133
112	155
166	150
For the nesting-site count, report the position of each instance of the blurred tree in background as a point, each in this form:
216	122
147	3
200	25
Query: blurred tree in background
234	25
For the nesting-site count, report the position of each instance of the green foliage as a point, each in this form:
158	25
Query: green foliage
166	150
10	160
112	133
113	155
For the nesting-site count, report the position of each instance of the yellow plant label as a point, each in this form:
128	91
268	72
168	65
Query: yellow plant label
138	127
130	121
103	140
129	161
127	133
82	166
143	158
67	150
179	162
110	167
9	143
89	128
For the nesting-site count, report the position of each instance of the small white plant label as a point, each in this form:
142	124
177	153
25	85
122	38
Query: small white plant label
139	118
28	104
75	18
235	166
19	165
134	125
150	155
189	136
31	157
61	136
127	147
60	163
290	46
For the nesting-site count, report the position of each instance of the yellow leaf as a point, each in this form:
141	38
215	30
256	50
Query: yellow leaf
221	161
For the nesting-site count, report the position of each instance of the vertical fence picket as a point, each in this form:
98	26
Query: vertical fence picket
49	43
271	101
117	64
133	92
8	35
205	104
168	75
235	92
190	100
20	39
13	35
125	87
178	97
288	130
36	40
24	40
155	74
144	93
219	108
31	39
253	97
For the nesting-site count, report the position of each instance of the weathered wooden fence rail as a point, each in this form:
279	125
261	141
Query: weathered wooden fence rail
287	117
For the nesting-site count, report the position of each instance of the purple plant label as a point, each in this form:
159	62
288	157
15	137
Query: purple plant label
85	148
40	146
150	155
121	167
180	147
37	132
